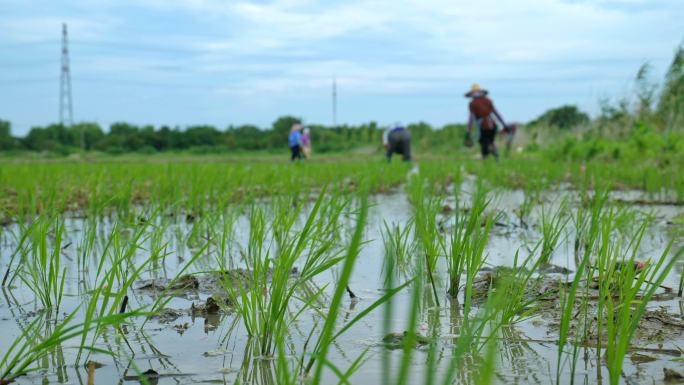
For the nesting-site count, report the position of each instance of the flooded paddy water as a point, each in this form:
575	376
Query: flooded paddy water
199	337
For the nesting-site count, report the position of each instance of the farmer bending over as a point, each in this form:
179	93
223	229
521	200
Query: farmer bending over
482	112
397	140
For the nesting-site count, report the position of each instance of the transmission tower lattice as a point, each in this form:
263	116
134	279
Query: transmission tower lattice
334	102
66	108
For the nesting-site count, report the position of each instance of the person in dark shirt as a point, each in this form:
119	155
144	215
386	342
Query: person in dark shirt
294	140
397	140
482	114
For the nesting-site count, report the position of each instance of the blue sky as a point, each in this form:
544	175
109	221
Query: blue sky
221	62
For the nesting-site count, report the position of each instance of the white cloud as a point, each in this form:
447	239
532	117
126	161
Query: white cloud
281	49
48	28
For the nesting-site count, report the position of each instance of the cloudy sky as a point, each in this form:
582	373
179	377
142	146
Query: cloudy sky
221	62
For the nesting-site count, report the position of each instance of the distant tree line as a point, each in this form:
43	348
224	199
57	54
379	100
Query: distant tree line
124	137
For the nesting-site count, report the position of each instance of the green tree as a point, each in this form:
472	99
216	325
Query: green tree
90	132
7	142
54	137
280	130
564	117
126	136
202	136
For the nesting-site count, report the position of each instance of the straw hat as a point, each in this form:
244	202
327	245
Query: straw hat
475	88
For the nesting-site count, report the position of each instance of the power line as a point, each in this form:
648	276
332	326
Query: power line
29	63
20	81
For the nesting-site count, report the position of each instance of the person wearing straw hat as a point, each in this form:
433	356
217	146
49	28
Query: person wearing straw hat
482	114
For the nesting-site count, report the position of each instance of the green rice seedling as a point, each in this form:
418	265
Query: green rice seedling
625	291
474	241
106	293
390	275
402	374
588	219
438	177
410	340
580	219
463	358
225	239
19	251
531	197
113	280
167	294
471	335
86	246
328	333
520	285
461	256
426	227
41	269
158	247
567	305
399	246
552	228
482	333
681	284
264	295
122	186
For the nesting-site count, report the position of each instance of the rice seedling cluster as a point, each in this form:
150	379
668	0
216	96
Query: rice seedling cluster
351	272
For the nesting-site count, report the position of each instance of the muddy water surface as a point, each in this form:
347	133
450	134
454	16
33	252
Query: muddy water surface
194	346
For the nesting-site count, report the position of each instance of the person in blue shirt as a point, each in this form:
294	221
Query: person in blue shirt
295	142
397	140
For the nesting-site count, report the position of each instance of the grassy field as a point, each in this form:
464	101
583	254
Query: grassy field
344	269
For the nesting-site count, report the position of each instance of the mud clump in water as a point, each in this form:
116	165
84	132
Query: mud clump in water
238	277
185	282
210	307
168	315
397	340
673	376
553	269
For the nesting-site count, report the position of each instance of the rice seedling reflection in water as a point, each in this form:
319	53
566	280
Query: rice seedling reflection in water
31	346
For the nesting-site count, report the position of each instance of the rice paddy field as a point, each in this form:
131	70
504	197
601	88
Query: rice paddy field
346	269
